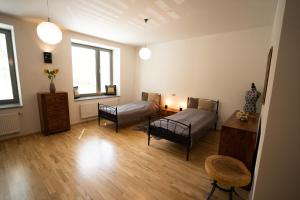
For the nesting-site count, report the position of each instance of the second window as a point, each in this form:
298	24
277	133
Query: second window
92	69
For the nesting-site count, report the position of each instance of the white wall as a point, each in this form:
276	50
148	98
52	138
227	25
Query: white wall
32	79
278	165
220	66
276	32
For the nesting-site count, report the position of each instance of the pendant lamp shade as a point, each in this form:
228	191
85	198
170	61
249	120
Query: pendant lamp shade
145	53
49	33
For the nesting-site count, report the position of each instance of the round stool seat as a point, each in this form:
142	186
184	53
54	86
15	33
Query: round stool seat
227	171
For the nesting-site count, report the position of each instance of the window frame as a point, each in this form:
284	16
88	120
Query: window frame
98	67
12	67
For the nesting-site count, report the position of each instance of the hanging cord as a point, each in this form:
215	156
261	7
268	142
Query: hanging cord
48	11
146	20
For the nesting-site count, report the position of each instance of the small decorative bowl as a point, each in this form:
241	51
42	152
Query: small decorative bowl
241	115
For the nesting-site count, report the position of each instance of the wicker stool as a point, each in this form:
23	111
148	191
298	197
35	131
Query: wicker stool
227	171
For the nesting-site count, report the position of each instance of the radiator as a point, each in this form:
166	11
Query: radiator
9	123
88	110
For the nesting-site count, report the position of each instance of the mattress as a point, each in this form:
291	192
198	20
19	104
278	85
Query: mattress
134	112
201	122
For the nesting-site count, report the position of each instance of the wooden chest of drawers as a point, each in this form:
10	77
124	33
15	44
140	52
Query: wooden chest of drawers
238	139
54	112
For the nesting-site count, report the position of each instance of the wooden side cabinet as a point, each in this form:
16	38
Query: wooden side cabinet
54	112
238	139
164	112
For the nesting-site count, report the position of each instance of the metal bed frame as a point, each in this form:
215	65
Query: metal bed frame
108	112
173	129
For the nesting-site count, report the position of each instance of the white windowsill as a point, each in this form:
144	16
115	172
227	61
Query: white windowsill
96	97
10	106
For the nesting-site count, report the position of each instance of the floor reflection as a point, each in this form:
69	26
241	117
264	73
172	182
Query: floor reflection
19	184
95	153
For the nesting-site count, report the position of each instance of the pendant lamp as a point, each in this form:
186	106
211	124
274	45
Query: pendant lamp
48	32
144	52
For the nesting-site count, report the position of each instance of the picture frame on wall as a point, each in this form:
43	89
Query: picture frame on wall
267	74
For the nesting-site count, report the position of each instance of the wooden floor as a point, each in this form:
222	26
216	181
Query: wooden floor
89	162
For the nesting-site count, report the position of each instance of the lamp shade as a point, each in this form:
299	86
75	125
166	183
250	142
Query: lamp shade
49	33
145	53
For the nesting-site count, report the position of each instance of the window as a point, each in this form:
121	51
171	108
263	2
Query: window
92	69
9	93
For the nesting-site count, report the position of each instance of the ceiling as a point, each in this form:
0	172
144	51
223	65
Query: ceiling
122	20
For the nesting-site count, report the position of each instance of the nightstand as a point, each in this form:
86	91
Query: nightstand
168	111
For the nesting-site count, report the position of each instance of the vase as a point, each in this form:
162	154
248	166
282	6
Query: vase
52	87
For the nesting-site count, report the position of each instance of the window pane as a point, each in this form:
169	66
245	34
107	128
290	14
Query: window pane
104	69
84	69
5	79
